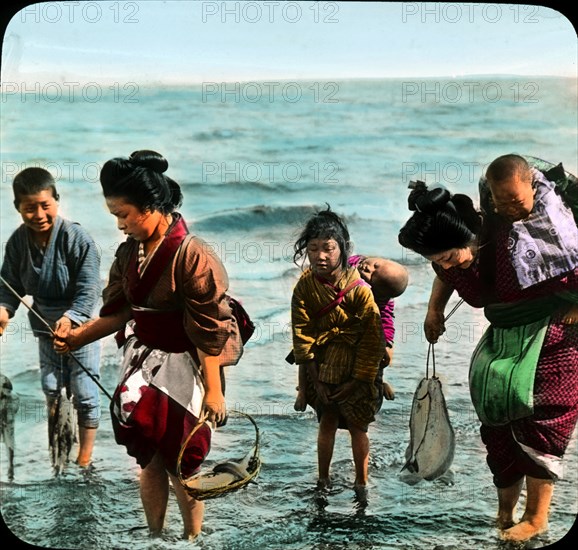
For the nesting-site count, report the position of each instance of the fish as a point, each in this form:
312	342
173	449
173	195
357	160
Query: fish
62	431
225	476
430	452
9	405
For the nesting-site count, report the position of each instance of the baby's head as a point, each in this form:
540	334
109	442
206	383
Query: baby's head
510	181
387	278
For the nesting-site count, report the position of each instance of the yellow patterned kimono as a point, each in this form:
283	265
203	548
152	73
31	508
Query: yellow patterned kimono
346	342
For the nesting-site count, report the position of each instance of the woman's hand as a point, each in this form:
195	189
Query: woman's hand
65	338
215	406
434	325
214	401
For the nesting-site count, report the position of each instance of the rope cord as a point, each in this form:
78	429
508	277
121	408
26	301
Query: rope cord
430	349
454	309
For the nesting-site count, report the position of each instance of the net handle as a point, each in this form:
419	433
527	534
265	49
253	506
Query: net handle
201	421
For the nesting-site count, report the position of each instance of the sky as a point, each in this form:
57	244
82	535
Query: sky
199	41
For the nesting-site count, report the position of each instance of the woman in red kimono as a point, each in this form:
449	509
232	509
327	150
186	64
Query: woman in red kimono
524	371
166	300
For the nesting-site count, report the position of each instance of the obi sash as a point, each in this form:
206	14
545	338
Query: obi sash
157	329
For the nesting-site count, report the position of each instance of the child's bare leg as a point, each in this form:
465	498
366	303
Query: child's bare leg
325	442
360	449
301	401
571	316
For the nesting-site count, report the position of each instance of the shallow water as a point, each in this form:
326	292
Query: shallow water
281	510
356	155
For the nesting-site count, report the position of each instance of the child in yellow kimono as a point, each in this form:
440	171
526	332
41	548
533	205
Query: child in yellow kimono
338	342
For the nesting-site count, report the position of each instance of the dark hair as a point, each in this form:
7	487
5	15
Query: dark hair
32	181
504	168
141	181
440	222
324	224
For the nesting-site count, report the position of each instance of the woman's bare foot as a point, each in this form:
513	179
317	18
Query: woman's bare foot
504	523
523	531
535	518
300	402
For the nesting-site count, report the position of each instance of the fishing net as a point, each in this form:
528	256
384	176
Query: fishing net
566	183
225	477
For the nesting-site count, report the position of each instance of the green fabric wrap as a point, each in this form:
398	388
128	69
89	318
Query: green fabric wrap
509	315
502	371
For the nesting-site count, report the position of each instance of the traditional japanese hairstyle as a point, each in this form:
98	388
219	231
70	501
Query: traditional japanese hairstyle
441	221
140	180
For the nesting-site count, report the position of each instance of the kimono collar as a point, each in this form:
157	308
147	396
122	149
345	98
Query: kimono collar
140	287
46	272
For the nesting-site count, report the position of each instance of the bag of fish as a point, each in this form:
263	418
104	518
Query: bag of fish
431	448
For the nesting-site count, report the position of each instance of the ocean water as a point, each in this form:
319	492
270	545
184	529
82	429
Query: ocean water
254	160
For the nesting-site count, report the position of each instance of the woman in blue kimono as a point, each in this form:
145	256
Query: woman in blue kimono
57	263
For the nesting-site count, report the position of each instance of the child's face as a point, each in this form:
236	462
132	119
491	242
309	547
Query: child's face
373	271
38	211
513	199
370	269
324	255
131	220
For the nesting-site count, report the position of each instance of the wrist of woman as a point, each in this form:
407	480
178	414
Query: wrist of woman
74	338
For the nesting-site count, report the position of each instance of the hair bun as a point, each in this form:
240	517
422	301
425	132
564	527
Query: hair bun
427	200
150	159
418	190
